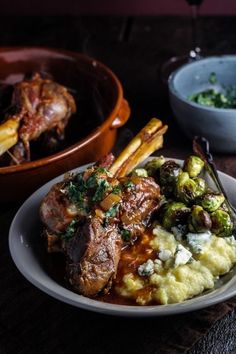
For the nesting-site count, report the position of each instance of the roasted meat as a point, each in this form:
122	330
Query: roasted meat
39	106
92	257
139	200
56	210
93	253
110	210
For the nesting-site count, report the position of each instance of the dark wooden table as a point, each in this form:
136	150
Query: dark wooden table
33	322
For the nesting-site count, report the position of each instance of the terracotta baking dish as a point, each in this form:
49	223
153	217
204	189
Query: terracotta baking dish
92	133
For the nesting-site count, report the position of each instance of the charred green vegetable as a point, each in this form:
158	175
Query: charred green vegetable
175	213
211	201
193	165
154	165
221	223
140	172
189	189
169	173
199	220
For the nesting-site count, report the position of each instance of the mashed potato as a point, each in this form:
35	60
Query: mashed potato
181	269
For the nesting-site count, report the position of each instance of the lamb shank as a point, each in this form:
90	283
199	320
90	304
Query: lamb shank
38	106
90	216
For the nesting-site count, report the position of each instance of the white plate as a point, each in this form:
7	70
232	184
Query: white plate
28	254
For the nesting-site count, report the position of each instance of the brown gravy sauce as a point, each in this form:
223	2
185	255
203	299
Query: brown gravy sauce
131	257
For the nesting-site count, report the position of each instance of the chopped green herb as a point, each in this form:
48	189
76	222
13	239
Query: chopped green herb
100	191
212	98
129	185
70	230
80	182
75	195
94	177
110	214
101	170
78	188
125	234
92	181
219	97
117	189
112	211
212	78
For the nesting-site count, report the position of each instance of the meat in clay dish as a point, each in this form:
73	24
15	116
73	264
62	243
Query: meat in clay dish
39	106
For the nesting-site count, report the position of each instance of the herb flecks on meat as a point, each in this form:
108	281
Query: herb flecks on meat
93	253
85	193
70	230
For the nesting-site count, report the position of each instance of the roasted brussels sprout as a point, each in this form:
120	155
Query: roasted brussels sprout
153	165
140	172
188	189
211	201
221	223
224	207
193	165
174	213
169	173
199	220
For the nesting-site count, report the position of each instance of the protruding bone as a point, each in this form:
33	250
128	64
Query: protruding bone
8	135
148	140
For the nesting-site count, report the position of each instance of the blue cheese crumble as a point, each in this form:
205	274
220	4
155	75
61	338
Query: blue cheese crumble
182	256
196	242
179	231
164	255
146	268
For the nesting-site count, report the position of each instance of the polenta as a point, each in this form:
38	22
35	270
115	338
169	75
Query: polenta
163	280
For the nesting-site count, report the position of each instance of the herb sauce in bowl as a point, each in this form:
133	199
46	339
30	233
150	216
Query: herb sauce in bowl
216	95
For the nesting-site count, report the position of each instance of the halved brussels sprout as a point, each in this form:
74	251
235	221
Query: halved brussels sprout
222	224
189	189
199	220
169	173
153	165
211	201
193	165
140	172
174	213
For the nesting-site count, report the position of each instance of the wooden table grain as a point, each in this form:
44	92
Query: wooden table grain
134	48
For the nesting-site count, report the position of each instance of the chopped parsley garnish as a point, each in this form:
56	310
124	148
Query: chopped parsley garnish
129	185
80	182
111	213
92	181
84	192
117	189
70	230
75	195
125	234
100	191
218	96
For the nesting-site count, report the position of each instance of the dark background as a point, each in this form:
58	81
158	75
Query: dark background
112	7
